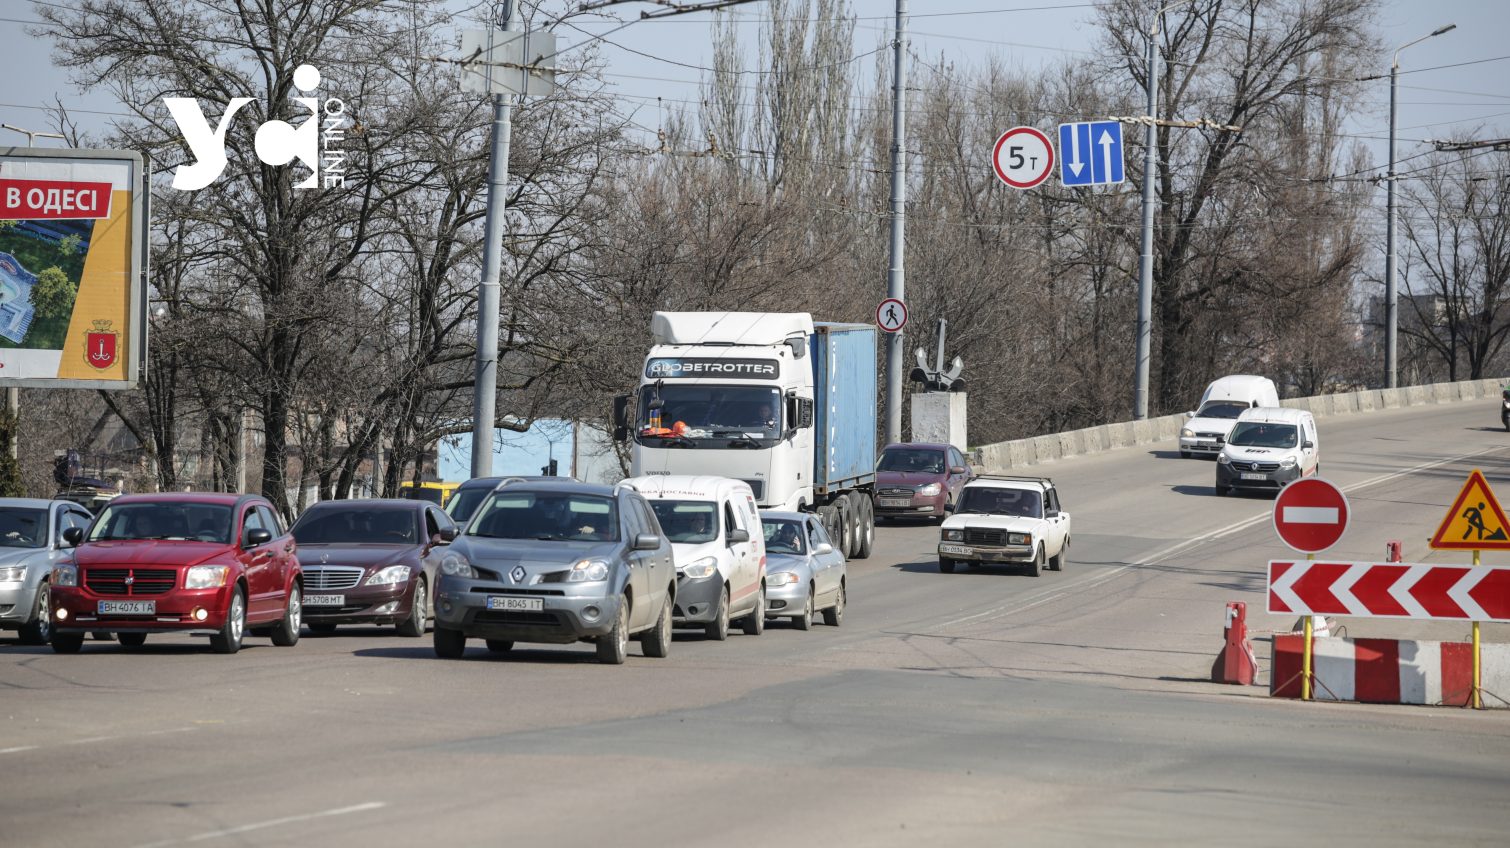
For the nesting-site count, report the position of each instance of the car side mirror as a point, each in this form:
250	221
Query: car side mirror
958	469
738	536
824	548
948	507
804	412
447	534
258	536
621	418
647	542
1308	445
73	536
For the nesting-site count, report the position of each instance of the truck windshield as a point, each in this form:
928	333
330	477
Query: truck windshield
1221	409
687	522
992	500
1261	434
714	413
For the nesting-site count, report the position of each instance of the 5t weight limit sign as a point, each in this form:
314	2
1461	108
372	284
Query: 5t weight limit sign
1023	157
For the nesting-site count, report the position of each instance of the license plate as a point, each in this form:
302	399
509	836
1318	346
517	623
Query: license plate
1252	476
325	600
895	502
515	604
954	549
127	608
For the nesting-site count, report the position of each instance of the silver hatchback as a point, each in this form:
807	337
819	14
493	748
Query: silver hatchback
31	543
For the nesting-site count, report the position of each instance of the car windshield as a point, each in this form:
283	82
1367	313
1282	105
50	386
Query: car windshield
464	502
350	525
1262	434
711	412
184	522
23	528
783	537
546	516
687	522
918	460
1221	409
993	500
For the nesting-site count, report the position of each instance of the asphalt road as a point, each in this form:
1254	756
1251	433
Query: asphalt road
980	708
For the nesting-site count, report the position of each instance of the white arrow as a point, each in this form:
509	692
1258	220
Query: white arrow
1106	152
1342	590
1283	588
1074	163
1459	594
1400	591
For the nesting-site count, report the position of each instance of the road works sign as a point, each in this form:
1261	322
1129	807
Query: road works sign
1023	157
1475	522
1310	515
1390	590
73	227
1090	153
891	315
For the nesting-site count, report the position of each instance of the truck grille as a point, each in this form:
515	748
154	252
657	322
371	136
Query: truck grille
1255	466
130	581
983	536
320	578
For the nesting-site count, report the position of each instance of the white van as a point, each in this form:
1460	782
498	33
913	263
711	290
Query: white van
1269	448
719	545
1224	400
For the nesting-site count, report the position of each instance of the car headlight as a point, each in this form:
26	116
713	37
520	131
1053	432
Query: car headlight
390	575
456	565
588	571
781	578
930	490
65	575
1187	433
12	573
206	577
954	535
700	568
1222	459
1019	538
1287	462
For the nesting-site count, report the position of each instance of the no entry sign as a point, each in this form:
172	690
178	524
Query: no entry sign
1310	515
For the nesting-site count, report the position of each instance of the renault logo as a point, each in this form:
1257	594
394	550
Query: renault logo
517	575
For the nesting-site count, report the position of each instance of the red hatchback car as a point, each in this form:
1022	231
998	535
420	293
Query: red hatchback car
202	563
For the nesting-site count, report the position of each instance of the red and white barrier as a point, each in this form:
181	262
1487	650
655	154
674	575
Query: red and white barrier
1390	671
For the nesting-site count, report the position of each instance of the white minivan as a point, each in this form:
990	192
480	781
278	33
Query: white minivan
1224	400
1269	448
719	544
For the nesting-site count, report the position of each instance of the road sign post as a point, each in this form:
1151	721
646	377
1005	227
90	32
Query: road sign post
1090	153
1310	515
1475	522
1023	157
891	315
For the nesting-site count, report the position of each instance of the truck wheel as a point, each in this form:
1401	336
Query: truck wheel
867	529
846	523
827	515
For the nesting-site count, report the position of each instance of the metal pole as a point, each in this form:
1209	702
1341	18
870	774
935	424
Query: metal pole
13	407
896	279
486	385
1145	256
1391	306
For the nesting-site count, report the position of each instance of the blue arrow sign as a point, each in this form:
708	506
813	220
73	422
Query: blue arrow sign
1090	153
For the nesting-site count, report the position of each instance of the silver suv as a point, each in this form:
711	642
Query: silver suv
31	543
558	562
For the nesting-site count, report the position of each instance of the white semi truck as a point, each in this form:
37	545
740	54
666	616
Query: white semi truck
774	399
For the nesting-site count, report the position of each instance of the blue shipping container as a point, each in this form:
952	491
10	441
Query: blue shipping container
844	401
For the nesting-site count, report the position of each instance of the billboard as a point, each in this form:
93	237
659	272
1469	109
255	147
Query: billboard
73	242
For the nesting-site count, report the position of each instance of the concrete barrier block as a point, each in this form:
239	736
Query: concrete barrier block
1045	448
1391	398
1348	403
1415	395
1142	431
1368	401
1444	392
1072	443
1119	435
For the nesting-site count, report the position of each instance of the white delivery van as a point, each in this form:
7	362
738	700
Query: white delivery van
715	534
1225	399
1269	448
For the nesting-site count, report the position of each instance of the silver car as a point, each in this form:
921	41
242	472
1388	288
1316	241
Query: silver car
804	573
31	543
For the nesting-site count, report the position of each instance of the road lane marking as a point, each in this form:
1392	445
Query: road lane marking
263	825
1090	581
18	749
92	739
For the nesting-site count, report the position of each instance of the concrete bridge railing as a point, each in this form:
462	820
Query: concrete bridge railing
1003	456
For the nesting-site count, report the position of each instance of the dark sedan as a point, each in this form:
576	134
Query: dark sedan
371	562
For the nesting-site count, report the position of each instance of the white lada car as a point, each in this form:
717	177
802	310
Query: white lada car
1015	520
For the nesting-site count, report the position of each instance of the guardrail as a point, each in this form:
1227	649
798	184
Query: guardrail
1037	449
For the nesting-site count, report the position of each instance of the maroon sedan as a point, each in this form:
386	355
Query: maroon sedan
207	564
919	480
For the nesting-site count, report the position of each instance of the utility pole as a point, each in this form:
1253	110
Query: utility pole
1145	256
485	388
1391	291
896	278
